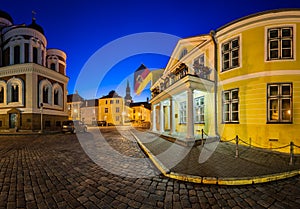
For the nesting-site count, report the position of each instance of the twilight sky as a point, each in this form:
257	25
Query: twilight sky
104	38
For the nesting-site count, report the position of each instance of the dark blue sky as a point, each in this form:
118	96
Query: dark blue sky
80	28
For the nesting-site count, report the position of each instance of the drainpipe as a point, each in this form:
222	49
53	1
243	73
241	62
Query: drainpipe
213	36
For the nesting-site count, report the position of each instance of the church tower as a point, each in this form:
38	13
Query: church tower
128	98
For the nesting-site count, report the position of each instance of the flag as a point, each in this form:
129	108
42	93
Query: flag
142	76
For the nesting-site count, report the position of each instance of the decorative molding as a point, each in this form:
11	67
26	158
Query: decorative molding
25	31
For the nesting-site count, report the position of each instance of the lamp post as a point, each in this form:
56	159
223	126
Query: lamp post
41	108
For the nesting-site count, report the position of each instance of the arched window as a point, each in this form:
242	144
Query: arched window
57	95
45	89
6	56
53	66
2	92
17	54
15	90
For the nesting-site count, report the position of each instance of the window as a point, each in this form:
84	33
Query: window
182	53
17	54
231	106
6	55
182	112
35	55
280	43
117	109
1	94
45	94
14	93
53	66
230	54
279	102
105	101
47	123
26	52
111	101
56	97
199	109
106	110
117	101
117	118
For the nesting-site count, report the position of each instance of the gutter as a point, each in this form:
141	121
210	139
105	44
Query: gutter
213	36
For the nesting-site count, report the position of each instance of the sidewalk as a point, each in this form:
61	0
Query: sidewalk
222	167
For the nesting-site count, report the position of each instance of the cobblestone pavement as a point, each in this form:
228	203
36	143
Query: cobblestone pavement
53	171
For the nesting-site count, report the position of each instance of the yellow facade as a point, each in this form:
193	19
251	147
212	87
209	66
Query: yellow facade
256	87
111	110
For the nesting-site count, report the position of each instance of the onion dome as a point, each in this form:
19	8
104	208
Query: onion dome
35	26
6	16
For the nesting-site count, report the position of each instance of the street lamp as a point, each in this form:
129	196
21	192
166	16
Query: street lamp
41	108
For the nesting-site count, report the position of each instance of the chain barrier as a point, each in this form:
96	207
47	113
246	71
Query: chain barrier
238	139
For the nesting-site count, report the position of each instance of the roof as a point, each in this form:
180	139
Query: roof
74	98
35	26
257	14
5	15
111	94
90	103
138	104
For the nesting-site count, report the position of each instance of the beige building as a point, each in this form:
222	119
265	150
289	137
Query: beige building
89	111
74	103
33	81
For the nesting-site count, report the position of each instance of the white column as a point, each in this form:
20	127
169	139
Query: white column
161	118
172	116
190	115
154	118
22	54
30	58
168	118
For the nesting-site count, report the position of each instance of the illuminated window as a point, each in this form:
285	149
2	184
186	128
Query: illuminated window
182	112
231	106
279	103
199	109
230	54
280	43
117	109
106	110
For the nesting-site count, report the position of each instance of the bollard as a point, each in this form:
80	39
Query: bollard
237	146
202	133
250	140
291	153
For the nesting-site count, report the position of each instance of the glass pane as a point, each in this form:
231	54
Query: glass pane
273	33
226	107
273	110
235	116
274	54
226	56
226	117
235	53
235	94
286	90
226	47
235	62
286	53
286	32
235	107
273	91
226	65
286	104
226	96
286	43
235	43
273	44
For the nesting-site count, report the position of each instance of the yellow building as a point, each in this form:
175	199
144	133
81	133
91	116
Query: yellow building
112	109
249	69
141	114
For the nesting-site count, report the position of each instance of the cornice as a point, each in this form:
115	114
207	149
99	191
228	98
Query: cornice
32	68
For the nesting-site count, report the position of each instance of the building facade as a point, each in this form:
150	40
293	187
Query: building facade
33	79
74	103
242	79
89	112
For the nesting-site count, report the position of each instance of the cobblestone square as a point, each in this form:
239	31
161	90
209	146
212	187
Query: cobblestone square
53	171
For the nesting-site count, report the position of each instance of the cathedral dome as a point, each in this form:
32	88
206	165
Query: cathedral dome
37	27
6	16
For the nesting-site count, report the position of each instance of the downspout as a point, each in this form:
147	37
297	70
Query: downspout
213	36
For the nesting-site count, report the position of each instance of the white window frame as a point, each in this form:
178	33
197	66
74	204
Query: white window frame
294	40
230	102
279	98
230	51
182	112
199	109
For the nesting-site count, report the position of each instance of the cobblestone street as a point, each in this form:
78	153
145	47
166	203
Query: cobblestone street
53	171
